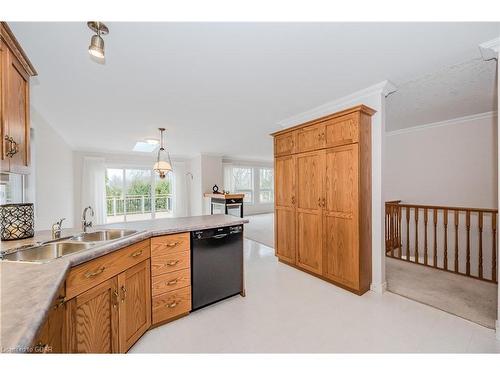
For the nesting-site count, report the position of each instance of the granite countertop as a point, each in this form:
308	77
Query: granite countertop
28	289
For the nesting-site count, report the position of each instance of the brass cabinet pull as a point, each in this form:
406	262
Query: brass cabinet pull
172	304
323	202
59	302
124	293
173	262
115	294
88	275
293	199
319	202
173	244
136	254
13	147
173	282
323	136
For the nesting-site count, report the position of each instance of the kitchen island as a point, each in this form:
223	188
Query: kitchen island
28	290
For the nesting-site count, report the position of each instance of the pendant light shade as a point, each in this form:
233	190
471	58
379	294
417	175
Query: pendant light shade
96	47
163	163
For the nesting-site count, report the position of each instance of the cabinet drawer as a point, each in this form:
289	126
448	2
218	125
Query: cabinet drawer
170	262
311	138
284	144
93	272
172	243
169	305
171	281
342	130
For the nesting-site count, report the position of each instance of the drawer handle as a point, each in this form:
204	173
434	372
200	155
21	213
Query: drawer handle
173	244
88	275
173	262
59	302
172	304
136	254
173	282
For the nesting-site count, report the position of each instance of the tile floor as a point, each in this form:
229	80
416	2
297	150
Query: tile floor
286	310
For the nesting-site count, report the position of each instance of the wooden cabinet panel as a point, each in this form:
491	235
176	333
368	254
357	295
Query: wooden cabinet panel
341	248
310	181
4	164
311	138
170	305
51	337
284	144
170	262
92	320
91	273
170	281
17	113
342	130
172	243
285	234
135	303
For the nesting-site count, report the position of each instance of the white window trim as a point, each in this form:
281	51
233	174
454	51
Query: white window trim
255	179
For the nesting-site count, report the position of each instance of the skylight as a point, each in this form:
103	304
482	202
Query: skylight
145	146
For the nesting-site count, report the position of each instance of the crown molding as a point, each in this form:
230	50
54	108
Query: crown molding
454	121
356	98
490	49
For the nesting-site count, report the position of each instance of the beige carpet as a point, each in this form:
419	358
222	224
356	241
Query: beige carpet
459	295
261	229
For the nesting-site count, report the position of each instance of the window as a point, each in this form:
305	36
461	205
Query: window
266	185
257	183
137	194
243	182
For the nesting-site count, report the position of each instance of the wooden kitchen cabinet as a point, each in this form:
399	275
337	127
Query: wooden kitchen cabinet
92	321
135	304
15	73
327	229
284	144
284	177
310	180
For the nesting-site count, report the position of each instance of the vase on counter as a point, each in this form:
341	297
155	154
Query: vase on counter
16	221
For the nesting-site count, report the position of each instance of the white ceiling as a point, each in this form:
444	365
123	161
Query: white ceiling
222	87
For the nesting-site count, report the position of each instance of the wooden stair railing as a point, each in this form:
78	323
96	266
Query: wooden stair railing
420	234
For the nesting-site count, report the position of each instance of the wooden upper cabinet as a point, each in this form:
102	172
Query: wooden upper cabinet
311	138
92	320
135	304
14	86
285	200
310	182
284	144
342	130
341	243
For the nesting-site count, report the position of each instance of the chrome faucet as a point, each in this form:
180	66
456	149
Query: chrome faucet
87	224
57	229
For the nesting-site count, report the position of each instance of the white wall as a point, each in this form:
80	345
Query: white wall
53	173
452	163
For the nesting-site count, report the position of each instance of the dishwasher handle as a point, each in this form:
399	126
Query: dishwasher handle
218	236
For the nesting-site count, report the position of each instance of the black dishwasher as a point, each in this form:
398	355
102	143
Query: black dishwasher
216	264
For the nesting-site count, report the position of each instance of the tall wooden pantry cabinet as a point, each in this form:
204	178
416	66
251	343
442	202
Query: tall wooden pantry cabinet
323	197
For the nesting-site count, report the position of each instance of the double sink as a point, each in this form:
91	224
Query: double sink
51	250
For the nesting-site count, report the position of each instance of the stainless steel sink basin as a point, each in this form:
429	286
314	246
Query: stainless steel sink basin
47	252
103	235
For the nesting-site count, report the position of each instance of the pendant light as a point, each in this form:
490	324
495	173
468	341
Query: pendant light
163	163
96	47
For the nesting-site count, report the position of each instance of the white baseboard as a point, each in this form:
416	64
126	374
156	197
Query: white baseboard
378	288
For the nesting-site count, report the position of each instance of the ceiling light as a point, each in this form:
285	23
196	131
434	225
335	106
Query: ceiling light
163	163
96	47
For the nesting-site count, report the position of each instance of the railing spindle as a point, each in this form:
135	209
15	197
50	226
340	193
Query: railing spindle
407	233
445	220
480	260
456	240
435	238
416	234
494	247
467	225
425	236
400	244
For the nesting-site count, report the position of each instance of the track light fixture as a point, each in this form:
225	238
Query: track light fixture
96	47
